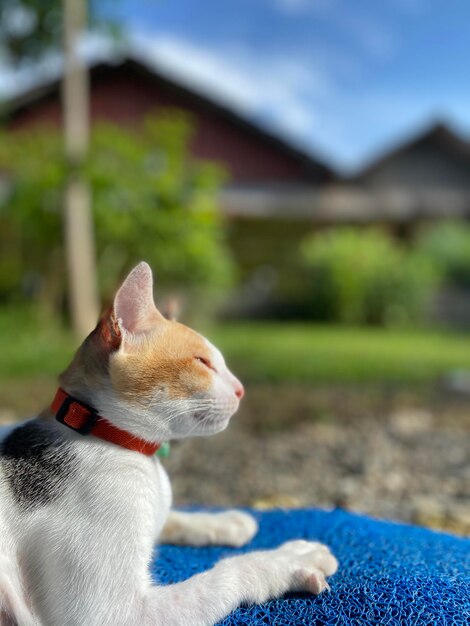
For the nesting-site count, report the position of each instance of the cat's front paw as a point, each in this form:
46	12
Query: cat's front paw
294	566
309	563
229	528
234	528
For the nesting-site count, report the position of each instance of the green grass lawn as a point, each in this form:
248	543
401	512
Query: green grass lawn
265	351
333	354
29	347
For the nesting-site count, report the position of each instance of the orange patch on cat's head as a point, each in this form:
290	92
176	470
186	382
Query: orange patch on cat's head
167	359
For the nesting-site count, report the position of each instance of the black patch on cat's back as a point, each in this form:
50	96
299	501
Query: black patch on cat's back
37	464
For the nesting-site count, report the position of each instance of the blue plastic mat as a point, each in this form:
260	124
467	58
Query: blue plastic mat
389	573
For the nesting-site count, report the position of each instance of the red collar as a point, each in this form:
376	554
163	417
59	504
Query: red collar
83	419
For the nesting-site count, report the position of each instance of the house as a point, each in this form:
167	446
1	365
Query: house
424	178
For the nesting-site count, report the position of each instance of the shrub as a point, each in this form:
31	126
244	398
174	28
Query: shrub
366	277
448	246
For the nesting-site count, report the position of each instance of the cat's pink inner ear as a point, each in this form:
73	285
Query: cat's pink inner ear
134	307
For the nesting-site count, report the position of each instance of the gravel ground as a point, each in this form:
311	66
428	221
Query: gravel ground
405	463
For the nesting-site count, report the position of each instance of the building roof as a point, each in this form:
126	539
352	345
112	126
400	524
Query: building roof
438	135
157	76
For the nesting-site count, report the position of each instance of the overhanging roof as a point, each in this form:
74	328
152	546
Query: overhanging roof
438	134
159	77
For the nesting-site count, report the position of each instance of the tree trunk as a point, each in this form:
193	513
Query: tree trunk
78	220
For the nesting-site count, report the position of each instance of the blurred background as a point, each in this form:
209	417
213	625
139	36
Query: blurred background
297	173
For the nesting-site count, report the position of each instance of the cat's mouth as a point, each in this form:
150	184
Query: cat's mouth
210	420
214	416
201	415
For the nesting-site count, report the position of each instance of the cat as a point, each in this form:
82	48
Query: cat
83	498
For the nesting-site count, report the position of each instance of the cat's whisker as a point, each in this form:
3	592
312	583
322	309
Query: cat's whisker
187	407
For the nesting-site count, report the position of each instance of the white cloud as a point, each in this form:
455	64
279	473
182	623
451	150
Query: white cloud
274	89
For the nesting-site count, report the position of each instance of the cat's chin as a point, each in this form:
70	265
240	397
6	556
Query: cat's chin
213	426
203	428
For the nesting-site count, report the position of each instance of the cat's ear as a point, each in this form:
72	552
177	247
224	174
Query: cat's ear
134	309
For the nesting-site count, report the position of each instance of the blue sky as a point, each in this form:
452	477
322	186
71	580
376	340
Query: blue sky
344	78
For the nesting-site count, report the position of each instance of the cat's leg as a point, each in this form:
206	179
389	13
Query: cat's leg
251	578
13	608
228	528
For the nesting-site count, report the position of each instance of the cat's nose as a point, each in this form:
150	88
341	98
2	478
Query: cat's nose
239	390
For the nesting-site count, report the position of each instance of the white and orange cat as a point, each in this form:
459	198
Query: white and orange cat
83	498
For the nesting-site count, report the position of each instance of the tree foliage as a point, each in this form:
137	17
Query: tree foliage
150	201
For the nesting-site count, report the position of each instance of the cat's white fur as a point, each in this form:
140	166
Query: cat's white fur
83	559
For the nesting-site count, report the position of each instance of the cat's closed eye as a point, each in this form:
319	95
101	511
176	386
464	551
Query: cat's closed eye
205	362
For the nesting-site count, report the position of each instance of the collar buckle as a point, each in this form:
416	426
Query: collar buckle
88	422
